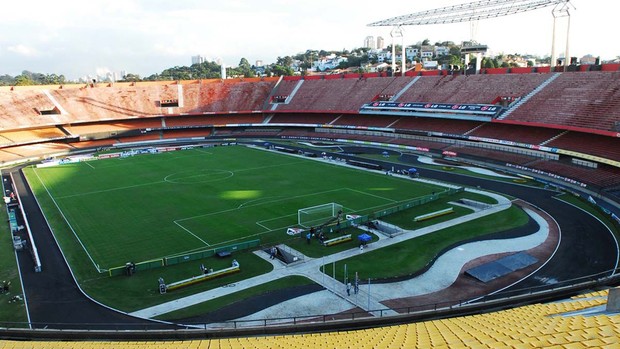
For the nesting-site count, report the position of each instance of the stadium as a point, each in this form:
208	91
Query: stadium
435	208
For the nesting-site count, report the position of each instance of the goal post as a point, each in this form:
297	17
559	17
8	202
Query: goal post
318	215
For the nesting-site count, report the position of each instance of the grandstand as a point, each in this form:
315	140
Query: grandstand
96	112
538	137
576	322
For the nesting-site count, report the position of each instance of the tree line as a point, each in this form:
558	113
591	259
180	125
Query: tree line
287	65
30	78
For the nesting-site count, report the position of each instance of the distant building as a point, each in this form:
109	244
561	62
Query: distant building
382	56
369	42
430	65
411	53
380	43
588	59
427	51
441	50
259	63
377	67
330	62
198	59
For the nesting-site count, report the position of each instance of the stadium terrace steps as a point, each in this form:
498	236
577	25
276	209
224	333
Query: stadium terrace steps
528	96
18	109
367	120
436	124
29	136
554	138
496	155
470	88
516	133
587	143
588	100
340	95
603	176
404	89
556	324
292	118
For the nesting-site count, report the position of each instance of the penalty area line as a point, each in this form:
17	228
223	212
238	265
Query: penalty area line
190	232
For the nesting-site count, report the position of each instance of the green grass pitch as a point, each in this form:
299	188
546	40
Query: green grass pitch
151	206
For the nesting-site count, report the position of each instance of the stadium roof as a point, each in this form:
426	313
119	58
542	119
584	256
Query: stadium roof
472	11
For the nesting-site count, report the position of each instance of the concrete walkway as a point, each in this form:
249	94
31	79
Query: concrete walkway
441	275
310	268
479	170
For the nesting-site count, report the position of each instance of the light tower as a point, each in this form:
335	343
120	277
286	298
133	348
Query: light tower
468	12
397	32
560	10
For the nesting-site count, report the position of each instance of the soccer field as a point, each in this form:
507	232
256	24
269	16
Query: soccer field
151	206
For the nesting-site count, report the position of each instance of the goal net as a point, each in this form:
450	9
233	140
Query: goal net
318	215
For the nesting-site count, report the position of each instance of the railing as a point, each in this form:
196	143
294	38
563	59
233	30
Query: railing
320	322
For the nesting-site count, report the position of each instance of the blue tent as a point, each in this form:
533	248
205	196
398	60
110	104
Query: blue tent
364	237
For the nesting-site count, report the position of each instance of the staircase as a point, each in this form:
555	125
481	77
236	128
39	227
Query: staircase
473	129
528	96
554	138
397	96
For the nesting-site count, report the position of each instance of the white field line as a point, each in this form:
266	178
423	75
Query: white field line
89	165
202	150
262	226
164	181
267	229
258	204
177	222
373	195
67	221
192	234
109	190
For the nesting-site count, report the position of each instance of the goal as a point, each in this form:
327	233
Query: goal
318	215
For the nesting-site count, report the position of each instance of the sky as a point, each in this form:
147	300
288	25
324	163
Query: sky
85	38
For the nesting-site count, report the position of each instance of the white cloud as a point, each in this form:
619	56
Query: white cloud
23	50
74	37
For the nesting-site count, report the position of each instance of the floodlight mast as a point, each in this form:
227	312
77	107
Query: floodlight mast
559	11
397	32
468	12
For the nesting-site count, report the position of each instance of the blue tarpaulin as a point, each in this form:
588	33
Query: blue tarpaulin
364	237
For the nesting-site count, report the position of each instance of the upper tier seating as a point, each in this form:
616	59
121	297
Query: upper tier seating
89	104
24	108
589	100
18	109
226	95
460	89
341	95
